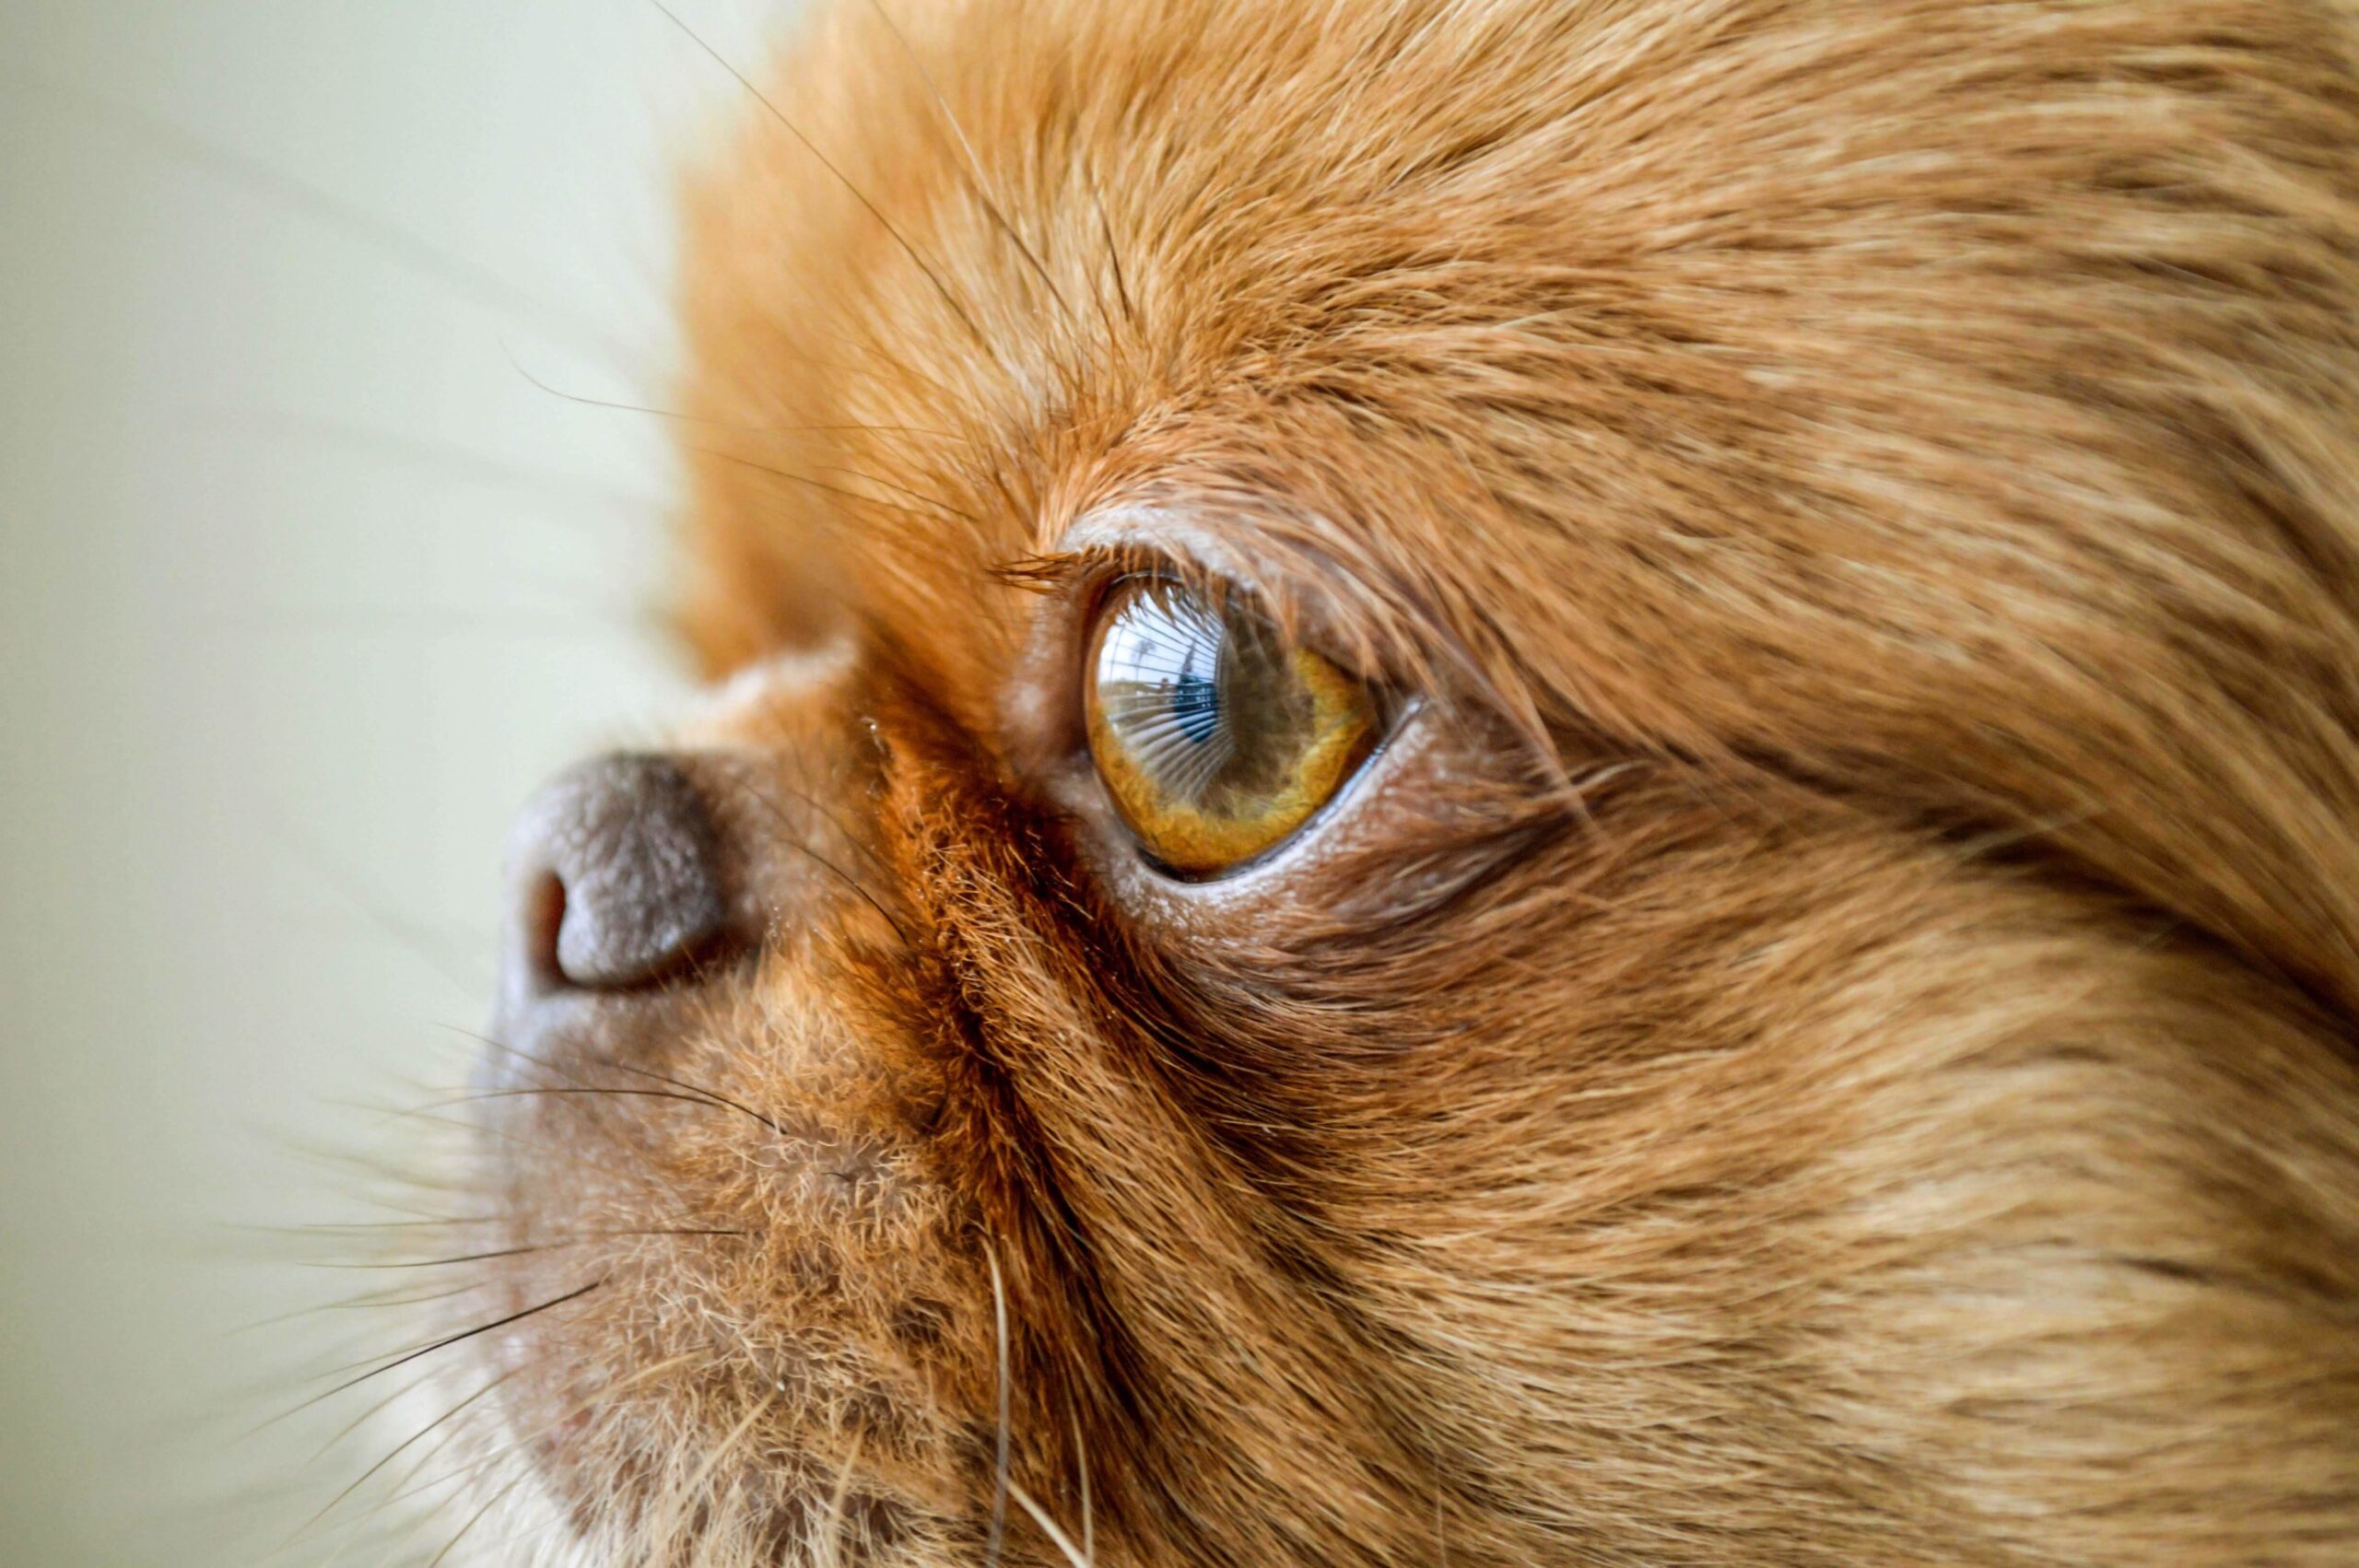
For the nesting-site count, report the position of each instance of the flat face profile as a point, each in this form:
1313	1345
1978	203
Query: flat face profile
1489	782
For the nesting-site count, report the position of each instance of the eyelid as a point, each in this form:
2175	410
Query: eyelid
1090	575
1342	863
1106	545
1319	866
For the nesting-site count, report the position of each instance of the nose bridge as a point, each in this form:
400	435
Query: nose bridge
786	705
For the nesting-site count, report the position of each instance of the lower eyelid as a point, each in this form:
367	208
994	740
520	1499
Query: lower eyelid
1335	849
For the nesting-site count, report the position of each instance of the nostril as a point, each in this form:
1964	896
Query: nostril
617	877
540	918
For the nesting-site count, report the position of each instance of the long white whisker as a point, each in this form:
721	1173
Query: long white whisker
1057	1538
1000	1485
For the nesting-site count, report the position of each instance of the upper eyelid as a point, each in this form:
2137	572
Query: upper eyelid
1080	578
1063	571
1307	593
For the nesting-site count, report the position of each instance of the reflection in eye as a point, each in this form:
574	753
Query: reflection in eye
1215	738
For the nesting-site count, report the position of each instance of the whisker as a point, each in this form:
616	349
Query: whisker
367	1299
605	1391
1000	1482
794	842
713	1095
372	1301
682	418
974	170
1081	1460
473	1519
363	1419
836	490
721	1450
336	1228
1057	1538
373	1471
706	1100
773	701
1113	255
710	1096
919	495
537	1246
857	194
445	1343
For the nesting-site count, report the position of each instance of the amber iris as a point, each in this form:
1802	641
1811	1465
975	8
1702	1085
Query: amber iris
1215	738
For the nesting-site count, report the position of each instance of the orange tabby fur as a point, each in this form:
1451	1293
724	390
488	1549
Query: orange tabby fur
1840	1050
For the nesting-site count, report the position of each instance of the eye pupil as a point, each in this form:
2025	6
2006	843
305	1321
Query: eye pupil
1214	739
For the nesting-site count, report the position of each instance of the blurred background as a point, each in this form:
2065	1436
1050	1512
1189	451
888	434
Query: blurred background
312	565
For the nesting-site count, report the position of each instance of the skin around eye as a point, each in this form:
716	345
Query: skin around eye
1215	738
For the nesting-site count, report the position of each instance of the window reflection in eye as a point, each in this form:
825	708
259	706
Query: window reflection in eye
1159	686
1215	738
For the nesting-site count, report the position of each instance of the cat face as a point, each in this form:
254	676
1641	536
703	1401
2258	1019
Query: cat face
1493	783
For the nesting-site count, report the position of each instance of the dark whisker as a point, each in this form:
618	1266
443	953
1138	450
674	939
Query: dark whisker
537	1246
446	1342
1113	255
857	194
832	820
712	1097
369	1474
794	842
974	165
517	1051
698	1099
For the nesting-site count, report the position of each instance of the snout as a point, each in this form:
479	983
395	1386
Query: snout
718	1226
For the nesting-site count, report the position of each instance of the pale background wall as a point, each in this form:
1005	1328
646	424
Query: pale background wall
303	587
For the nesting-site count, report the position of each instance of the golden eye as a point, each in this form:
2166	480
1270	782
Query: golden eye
1214	738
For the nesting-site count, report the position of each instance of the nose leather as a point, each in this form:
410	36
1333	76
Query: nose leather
616	876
